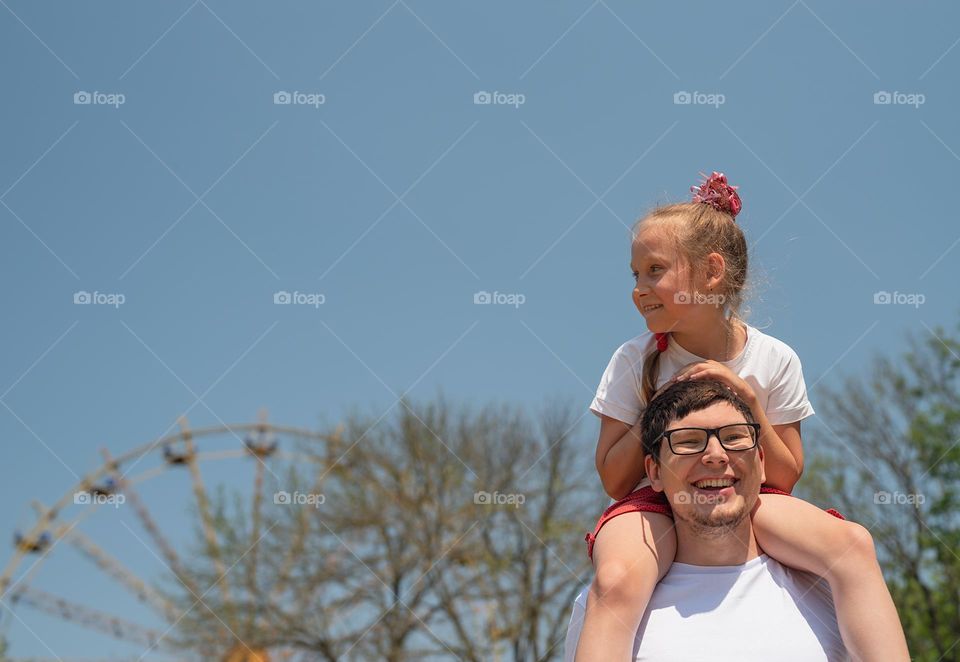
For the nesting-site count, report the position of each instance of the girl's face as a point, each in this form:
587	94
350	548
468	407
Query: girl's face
663	289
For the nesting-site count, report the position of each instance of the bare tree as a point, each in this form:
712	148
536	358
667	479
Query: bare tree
434	533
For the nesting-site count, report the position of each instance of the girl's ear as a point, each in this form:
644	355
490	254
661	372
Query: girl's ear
716	267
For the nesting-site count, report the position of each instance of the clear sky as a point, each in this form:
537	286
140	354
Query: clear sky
383	194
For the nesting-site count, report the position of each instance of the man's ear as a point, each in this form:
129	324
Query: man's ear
763	475
653	472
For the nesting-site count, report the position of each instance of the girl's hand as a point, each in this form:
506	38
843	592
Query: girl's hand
719	372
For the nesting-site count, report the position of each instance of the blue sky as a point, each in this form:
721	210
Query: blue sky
196	198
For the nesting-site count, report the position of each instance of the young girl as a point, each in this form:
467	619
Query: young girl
689	264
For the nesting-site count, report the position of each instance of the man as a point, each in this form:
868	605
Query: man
722	599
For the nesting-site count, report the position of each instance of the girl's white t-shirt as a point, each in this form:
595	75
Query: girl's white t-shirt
769	366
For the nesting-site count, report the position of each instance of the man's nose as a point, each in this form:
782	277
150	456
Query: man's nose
714	452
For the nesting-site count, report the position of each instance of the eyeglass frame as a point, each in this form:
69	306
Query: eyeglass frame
713	432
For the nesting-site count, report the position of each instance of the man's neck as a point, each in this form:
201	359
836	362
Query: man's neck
720	546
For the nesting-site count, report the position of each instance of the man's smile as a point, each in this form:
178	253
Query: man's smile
720	485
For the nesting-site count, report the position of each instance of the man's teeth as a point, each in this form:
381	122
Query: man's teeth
714	482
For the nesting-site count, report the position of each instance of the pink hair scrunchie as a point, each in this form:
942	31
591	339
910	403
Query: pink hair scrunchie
715	192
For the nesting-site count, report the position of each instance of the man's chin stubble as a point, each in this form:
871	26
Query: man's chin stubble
713	526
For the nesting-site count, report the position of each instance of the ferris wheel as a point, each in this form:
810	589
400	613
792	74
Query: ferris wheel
120	480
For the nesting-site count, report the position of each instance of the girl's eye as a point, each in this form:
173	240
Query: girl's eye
655	268
636	274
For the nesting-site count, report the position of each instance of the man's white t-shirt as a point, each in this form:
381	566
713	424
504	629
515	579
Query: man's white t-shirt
760	610
769	366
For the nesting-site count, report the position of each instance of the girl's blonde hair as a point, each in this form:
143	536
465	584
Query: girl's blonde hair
696	230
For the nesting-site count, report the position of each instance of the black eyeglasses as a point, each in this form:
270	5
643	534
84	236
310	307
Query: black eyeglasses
691	441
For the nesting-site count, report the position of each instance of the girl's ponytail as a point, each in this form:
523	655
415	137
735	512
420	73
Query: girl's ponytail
651	368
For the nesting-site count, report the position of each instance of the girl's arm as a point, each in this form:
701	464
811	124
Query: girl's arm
804	537
619	456
782	449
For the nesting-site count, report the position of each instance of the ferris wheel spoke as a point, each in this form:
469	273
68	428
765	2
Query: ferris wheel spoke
294	550
252	586
333	443
122	574
149	524
89	617
203	506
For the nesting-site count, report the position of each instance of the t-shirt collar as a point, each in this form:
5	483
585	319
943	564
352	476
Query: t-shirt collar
684	357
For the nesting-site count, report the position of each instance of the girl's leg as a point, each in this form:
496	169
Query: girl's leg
631	554
804	537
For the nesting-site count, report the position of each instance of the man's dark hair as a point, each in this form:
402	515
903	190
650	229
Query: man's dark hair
679	400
